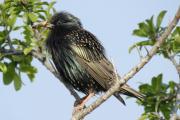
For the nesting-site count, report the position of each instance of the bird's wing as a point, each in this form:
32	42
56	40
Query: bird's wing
90	54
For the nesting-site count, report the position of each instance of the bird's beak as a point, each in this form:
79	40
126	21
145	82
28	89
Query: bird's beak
45	24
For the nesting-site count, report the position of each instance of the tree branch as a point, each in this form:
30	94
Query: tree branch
132	72
176	65
177	103
10	52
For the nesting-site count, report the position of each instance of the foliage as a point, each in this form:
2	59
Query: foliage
160	98
152	31
19	20
149	30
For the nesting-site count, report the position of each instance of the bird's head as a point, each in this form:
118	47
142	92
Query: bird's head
61	21
65	20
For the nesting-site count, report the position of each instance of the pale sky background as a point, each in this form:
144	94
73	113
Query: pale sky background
112	21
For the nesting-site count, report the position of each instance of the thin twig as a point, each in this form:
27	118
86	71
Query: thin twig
8	38
147	51
176	65
6	52
132	72
9	42
139	52
177	103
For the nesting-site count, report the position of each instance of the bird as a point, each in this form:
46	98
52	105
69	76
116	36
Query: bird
81	60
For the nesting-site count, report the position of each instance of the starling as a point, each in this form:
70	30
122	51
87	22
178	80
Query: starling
80	58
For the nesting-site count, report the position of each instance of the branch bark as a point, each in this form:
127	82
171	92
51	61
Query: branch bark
11	52
132	72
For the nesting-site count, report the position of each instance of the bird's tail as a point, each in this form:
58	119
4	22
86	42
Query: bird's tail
117	95
127	90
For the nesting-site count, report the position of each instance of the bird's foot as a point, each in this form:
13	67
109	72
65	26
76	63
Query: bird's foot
80	104
78	108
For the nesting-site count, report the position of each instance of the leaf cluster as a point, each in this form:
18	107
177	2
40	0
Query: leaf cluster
17	17
160	98
151	32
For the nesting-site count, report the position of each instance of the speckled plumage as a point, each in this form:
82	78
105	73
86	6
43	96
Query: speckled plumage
80	58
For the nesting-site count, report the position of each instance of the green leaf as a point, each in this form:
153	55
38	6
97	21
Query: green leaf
152	29
145	88
51	4
31	77
7	78
11	21
50	7
3	67
176	31
150	23
172	85
149	108
140	33
28	34
29	70
164	88
176	44
140	44
32	17
143	117
41	16
17	28
156	83
8	75
143	26
166	111
38	11
17	82
18	58
27	50
177	39
42	3
2	36
160	18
